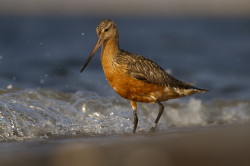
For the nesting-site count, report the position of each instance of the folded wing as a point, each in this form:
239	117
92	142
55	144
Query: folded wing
146	70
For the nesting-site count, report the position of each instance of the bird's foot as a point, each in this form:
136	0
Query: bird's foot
153	128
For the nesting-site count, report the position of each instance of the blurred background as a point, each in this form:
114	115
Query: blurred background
44	43
132	8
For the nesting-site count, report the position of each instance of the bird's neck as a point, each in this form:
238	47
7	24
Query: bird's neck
110	47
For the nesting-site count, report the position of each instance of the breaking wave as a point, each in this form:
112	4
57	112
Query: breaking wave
29	114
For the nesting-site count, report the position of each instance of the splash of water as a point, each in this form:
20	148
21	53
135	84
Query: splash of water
41	114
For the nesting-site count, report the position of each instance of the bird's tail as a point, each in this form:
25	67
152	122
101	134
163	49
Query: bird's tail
198	90
191	89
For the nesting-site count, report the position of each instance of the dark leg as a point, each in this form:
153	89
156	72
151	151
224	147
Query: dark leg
134	107
161	109
135	121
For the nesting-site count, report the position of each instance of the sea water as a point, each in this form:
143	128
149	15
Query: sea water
35	114
43	95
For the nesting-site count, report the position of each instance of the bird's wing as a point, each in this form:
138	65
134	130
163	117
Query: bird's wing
146	70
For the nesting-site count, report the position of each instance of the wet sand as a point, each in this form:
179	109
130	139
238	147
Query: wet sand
228	145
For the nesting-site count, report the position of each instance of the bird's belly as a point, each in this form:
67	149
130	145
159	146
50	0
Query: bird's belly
136	90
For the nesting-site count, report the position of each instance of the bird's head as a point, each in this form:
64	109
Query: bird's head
105	30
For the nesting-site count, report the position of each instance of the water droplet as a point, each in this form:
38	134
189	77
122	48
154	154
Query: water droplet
84	108
42	81
97	114
9	86
169	71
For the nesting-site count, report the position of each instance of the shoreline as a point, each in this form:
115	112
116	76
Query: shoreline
226	145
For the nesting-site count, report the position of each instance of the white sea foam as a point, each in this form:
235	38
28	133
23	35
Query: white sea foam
38	114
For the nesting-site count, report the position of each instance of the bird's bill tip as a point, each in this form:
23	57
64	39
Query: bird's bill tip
98	44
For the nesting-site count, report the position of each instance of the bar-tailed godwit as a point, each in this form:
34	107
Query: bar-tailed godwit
134	77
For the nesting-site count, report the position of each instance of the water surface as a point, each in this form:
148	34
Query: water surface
43	95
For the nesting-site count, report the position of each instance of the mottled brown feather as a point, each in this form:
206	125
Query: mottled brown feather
147	71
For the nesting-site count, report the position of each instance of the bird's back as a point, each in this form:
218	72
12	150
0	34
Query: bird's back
148	71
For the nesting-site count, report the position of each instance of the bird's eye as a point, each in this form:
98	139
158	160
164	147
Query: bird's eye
106	30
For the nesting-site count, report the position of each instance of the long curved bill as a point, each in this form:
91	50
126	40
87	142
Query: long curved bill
98	44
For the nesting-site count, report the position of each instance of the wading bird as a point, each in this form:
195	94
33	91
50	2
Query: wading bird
134	77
